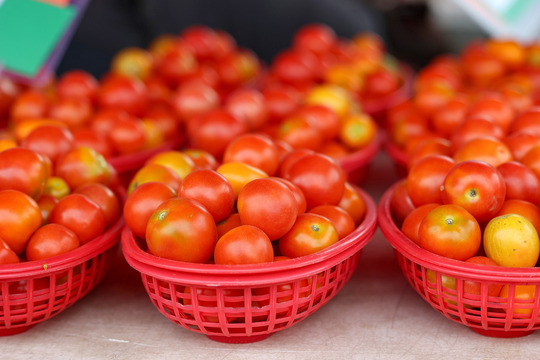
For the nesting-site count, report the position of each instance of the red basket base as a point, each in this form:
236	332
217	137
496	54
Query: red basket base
238	339
14	330
502	333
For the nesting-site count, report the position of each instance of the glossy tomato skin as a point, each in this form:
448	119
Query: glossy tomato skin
104	197
450	231
24	170
401	203
257	150
521	183
7	256
51	141
476	186
81	215
268	205
321	179
239	174
194	99
249	106
426	177
83	165
142	203
154	172
121	92
77	84
341	219
297	193
51	240
182	229
309	234
245	244
411	223
212	190
19	218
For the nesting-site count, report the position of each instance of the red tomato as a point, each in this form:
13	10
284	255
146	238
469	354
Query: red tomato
23	170
231	222
297	193
7	256
94	140
341	219
281	102
212	190
237	67
127	136
476	186
77	84
449	117
309	234
321	179
154	172
126	93
176	64
487	149
164	119
254	149
300	133
46	205
201	159
317	38
51	141
182	229
142	203
249	106
524	208
426	177
104	197
295	66
450	231
83	165
532	160
494	108
214	131
30	104
51	240
521	182
81	215
104	119
194	99
353	203
245	244
74	112
529	122
473	128
411	223
429	146
290	158
19	218
268	205
401	203
520	143
381	82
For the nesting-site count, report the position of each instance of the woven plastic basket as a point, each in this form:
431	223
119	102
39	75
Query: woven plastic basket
34	291
485	314
247	303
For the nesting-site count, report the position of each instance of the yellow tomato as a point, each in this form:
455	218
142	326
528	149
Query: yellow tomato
179	162
133	62
512	240
332	96
57	187
358	131
524	294
239	174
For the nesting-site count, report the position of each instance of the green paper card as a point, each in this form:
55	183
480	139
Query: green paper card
29	32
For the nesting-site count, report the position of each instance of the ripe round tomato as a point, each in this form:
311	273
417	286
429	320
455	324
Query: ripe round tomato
426	177
245	244
411	223
182	229
257	150
300	133
127	136
201	159
268	205
51	141
309	234
341	219
194	99
232	221
532	160
297	193
488	149
74	112
81	215
358	131
57	187
214	131
429	146
77	84
121	92
7	256
20	216
23	170
142	202
520	142
249	106
30	104
449	117
476	186
521	182
317	38
133	62
51	240
321	117
321	179
512	240
473	128
83	165
281	102
104	197
494	108
94	140
154	172
450	231
295	66
239	174
177	161
176	64
401	203
290	158
524	208
212	190
353	203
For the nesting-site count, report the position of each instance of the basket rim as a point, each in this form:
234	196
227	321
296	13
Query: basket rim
45	267
135	160
398	155
378	105
362	157
149	264
402	244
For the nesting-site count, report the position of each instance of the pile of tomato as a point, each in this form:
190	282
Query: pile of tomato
49	208
261	204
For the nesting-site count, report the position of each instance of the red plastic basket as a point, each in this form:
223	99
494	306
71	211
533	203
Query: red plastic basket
487	315
356	164
377	107
34	291
247	303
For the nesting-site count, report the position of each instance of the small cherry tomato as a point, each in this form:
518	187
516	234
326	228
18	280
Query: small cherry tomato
245	244
51	240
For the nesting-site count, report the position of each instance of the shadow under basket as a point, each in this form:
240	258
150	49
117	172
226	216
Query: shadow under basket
247	303
466	293
34	291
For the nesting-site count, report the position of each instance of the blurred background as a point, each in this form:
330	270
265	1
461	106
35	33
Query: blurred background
414	30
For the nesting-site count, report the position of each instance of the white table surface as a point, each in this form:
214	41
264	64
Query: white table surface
377	315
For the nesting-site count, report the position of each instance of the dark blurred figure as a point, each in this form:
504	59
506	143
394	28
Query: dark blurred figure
264	26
